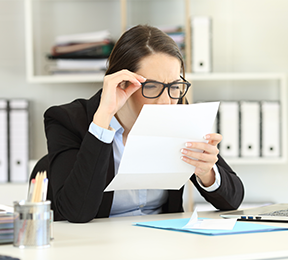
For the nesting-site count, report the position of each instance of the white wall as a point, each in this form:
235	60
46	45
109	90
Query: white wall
248	36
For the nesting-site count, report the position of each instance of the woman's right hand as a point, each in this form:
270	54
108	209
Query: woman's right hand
114	95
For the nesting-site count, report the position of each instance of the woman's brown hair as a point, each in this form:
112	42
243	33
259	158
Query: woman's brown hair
139	42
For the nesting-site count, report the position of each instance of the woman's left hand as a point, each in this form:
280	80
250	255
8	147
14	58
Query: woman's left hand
205	160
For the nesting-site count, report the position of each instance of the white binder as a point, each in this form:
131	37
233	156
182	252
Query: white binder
270	129
19	144
201	44
229	128
250	129
3	141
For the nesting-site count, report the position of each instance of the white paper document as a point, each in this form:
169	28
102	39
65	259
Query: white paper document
217	224
152	154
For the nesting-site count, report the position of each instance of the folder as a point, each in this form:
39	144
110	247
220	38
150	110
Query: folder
3	141
201	27
19	145
270	112
239	228
229	128
250	129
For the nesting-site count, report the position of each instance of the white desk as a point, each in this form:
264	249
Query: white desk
117	238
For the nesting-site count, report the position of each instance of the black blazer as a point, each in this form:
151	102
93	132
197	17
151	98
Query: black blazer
81	166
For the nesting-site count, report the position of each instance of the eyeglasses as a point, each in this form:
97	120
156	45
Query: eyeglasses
176	90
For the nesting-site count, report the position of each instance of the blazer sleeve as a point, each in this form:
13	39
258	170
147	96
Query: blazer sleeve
78	166
230	194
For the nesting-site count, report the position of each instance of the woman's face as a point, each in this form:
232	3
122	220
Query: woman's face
157	67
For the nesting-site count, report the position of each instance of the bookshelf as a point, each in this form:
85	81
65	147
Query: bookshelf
38	44
121	11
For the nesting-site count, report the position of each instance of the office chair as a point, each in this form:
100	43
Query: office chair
41	166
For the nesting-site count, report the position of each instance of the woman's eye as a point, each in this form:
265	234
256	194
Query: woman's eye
150	86
174	87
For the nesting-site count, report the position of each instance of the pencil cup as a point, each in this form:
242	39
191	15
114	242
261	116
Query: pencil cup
32	224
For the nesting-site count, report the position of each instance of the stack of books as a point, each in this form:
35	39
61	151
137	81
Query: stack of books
80	53
6	228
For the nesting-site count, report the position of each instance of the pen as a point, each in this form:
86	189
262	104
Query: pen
31	190
44	189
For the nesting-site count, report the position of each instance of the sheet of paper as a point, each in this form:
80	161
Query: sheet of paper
151	159
209	224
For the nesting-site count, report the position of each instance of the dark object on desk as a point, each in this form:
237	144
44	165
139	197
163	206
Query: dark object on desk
5	257
274	212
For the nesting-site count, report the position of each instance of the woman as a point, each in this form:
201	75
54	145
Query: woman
86	138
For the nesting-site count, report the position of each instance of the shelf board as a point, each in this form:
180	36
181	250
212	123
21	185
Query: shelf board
255	161
85	78
72	78
233	76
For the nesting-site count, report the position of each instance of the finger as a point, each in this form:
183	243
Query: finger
127	81
131	89
208	148
119	77
213	138
135	81
131	77
204	157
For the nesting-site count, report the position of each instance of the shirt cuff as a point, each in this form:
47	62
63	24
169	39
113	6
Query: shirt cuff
104	135
215	185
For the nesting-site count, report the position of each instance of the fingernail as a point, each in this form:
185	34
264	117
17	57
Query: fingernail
188	144
206	137
183	151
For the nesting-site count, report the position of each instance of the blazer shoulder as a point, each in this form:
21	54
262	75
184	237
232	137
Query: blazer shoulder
79	112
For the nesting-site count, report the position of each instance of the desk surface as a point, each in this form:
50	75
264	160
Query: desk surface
117	238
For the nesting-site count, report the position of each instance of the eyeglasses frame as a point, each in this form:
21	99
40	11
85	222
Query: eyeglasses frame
168	85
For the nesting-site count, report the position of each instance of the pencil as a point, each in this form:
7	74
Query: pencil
35	187
39	191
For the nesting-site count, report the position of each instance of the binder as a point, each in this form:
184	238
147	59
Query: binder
250	129
19	145
270	112
229	128
3	141
201	27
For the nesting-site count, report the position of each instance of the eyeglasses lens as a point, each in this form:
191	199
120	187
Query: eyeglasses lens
153	89
178	89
